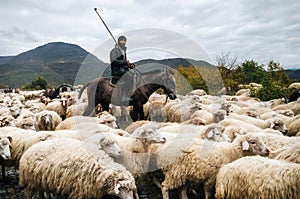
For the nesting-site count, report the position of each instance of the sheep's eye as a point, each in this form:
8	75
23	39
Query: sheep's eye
252	142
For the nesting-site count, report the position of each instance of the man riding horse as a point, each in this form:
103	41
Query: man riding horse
119	66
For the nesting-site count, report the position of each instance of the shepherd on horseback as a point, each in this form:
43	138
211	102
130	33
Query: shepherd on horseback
120	65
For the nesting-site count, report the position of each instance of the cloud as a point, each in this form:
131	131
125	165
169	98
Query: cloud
251	29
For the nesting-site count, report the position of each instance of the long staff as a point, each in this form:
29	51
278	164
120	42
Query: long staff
105	25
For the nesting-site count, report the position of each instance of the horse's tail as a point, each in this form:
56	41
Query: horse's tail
82	89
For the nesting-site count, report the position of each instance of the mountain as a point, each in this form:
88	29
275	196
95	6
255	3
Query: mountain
293	74
56	62
60	62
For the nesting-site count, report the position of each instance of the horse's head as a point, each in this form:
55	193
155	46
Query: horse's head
169	84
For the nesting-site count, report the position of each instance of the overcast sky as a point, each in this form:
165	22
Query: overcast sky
249	29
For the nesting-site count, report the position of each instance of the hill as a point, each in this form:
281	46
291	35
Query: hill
56	62
293	75
60	62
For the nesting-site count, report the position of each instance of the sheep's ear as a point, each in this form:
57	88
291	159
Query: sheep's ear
9	138
210	134
245	145
116	188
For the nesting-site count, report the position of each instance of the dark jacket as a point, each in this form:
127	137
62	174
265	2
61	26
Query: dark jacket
118	61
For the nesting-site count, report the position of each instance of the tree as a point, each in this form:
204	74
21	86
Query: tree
253	72
38	84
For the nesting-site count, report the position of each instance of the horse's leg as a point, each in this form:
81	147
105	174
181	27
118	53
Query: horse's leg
88	110
105	106
137	112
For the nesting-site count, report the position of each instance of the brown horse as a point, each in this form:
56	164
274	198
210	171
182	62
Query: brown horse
100	91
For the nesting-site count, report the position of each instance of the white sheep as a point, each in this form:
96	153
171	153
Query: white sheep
78	122
47	120
5	145
209	117
258	177
294	127
74	171
75	109
293	106
7	120
136	148
156	111
59	106
289	153
295	85
274	123
275	142
102	141
201	162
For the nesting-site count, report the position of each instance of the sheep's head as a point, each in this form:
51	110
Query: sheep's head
5	145
121	183
216	133
253	145
219	115
279	125
46	117
149	133
109	146
7	121
107	119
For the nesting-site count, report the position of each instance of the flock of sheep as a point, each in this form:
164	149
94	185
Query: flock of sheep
228	146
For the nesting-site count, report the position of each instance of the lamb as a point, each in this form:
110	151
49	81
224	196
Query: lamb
5	144
47	120
258	177
94	176
201	162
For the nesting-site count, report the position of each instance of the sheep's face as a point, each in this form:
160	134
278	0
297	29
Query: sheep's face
7	121
110	147
216	133
219	115
279	125
124	188
149	134
107	119
5	144
47	118
254	145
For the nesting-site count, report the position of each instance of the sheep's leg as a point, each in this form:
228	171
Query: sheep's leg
3	171
183	192
28	193
165	191
135	194
209	190
156	181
